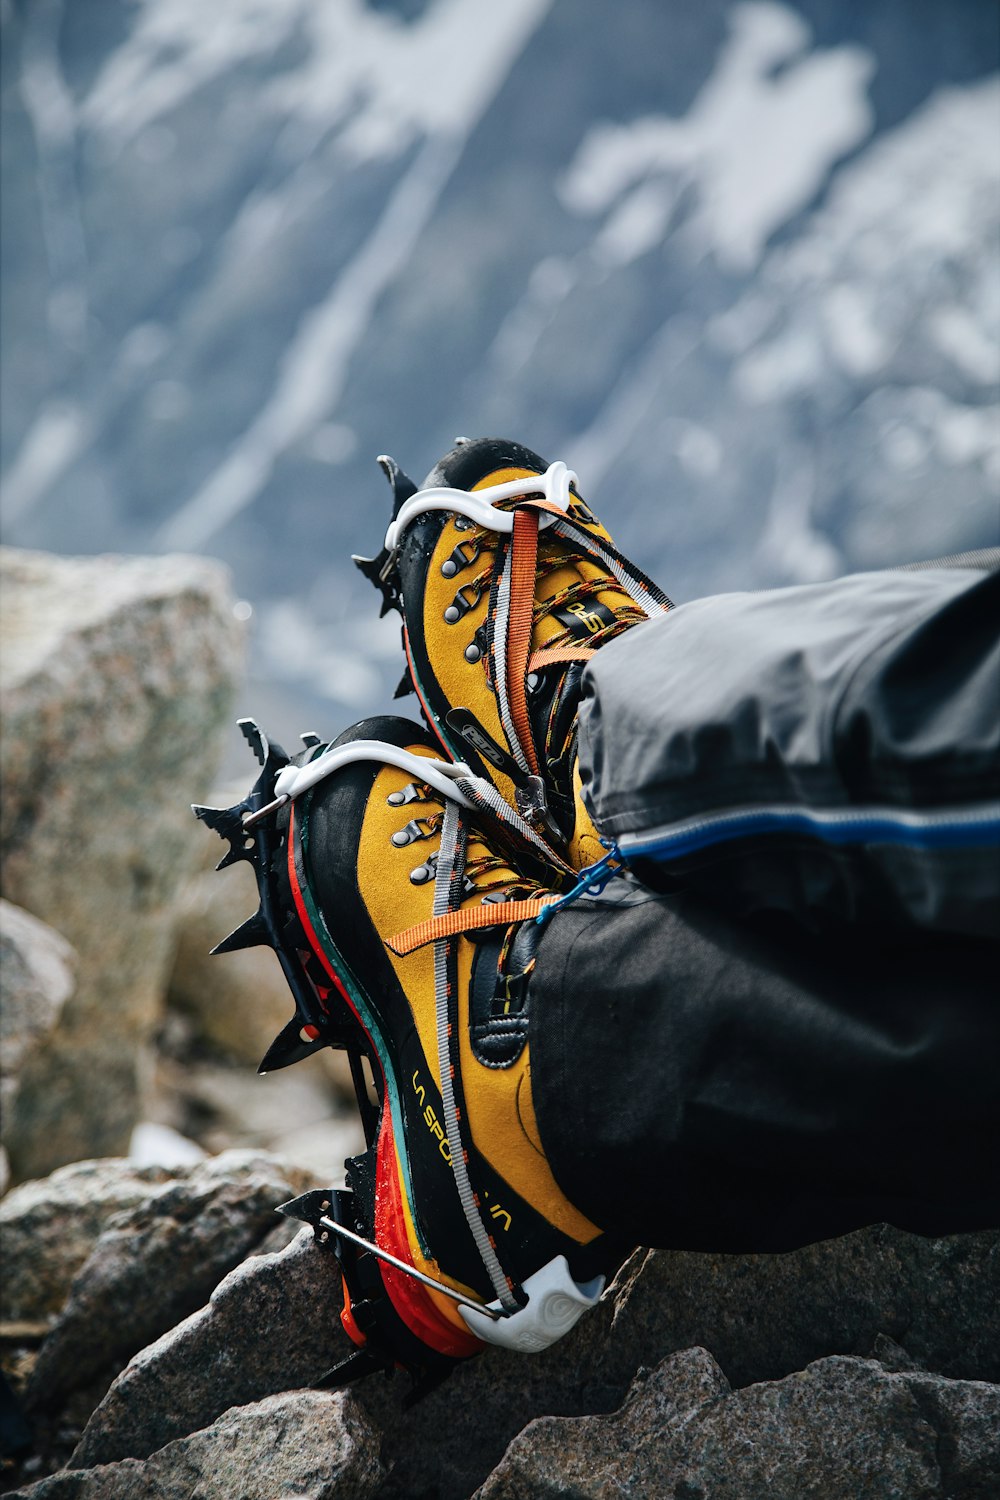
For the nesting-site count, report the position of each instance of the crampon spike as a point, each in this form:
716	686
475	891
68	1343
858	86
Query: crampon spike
378	570
233	858
225	821
252	933
401	484
373	568
356	1366
263	750
384	1339
295	1041
255	738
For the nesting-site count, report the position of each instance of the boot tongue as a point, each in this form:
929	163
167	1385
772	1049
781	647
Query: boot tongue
552	708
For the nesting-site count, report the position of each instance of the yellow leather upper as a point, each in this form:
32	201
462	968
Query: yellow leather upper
498	1100
464	683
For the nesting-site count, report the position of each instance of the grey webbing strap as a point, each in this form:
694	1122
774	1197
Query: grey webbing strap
448	875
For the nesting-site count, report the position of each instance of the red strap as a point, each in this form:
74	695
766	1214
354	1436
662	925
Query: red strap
451	923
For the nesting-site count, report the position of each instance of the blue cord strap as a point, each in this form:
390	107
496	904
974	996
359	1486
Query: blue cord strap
593	879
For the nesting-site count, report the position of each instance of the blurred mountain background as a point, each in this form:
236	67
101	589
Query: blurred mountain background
736	263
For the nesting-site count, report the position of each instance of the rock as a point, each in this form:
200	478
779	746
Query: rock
303	1445
155	1263
36	979
237	1002
842	1429
761	1311
271	1325
295	1113
117	677
48	1229
763	1316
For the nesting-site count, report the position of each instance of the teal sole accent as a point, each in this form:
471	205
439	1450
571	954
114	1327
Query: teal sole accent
371	1025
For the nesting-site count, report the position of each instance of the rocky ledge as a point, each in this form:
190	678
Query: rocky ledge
190	1336
163	1334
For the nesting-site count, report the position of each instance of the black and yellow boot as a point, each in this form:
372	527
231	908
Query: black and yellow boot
392	890
507	584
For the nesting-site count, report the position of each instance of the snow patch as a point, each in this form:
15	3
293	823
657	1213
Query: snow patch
56	437
959	335
389	79
153	1145
383	82
790	546
907	230
757	143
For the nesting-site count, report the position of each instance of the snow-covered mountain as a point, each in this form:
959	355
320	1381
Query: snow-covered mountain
737	263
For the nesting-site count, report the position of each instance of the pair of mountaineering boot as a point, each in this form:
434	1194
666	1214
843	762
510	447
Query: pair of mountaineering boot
406	876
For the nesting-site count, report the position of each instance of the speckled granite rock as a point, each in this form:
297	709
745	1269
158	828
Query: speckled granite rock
763	1316
310	1445
155	1263
271	1325
48	1228
842	1429
36	980
117	677
275	1324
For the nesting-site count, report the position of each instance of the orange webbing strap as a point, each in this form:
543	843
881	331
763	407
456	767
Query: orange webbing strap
535	504
524	560
496	914
544	658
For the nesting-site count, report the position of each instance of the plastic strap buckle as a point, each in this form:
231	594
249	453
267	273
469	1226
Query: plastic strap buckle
593	879
555	1303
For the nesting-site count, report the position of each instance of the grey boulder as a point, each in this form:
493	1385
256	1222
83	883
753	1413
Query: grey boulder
156	1262
36	980
310	1445
842	1429
118	674
49	1226
270	1325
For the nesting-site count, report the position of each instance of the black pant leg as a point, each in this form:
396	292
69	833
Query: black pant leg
701	1084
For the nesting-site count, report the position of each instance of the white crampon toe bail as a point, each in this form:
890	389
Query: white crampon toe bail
555	1304
553	486
441	775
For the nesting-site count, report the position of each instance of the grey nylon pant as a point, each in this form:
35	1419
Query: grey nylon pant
720	1073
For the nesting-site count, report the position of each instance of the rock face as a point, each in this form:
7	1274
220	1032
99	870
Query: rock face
49	1227
745	286
764	1316
842	1429
117	676
852	1369
271	1324
240	1001
310	1445
157	1261
36	980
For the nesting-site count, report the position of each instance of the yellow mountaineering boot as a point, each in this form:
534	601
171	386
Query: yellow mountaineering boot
507	584
403	896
